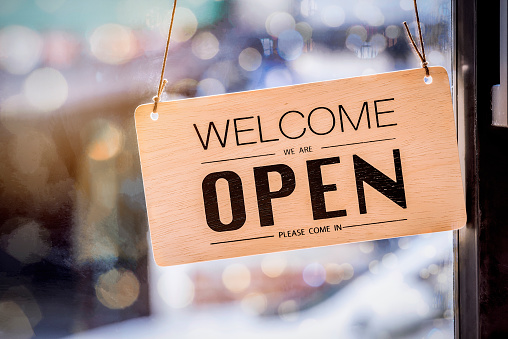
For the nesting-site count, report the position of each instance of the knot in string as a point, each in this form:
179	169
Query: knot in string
425	65
421	54
157	98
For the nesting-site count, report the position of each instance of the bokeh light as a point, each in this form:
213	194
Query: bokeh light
404	243
273	265
210	86
433	269
23	297
288	310
279	22
407	5
314	274
28	242
374	267
366	246
368	12
356	36
348	270
20	49
61	49
304	29
205	45
254	303
358	30
113	44
46	89
117	289
334	273
184	26
354	42
236	278
333	16
290	45
184	88
250	59
392	32
378	42
106	140
176	288
13	321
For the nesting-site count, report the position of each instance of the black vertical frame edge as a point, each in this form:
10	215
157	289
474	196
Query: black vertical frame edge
466	291
493	180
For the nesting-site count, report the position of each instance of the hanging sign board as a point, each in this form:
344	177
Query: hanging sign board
294	167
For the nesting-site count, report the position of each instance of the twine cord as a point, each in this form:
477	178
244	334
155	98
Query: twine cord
421	54
163	82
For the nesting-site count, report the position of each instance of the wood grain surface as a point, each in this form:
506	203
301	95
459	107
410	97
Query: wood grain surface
307	165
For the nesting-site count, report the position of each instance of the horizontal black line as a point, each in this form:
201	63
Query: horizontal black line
223	242
373	223
356	143
252	156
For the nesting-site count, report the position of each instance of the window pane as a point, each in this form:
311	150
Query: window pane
73	244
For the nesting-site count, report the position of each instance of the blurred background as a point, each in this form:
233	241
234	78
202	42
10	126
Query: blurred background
75	258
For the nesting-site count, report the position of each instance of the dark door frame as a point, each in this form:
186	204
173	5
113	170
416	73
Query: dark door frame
466	291
482	246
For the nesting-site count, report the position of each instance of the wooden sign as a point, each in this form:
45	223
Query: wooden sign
294	167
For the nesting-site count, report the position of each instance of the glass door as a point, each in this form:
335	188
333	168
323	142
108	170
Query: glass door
74	247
